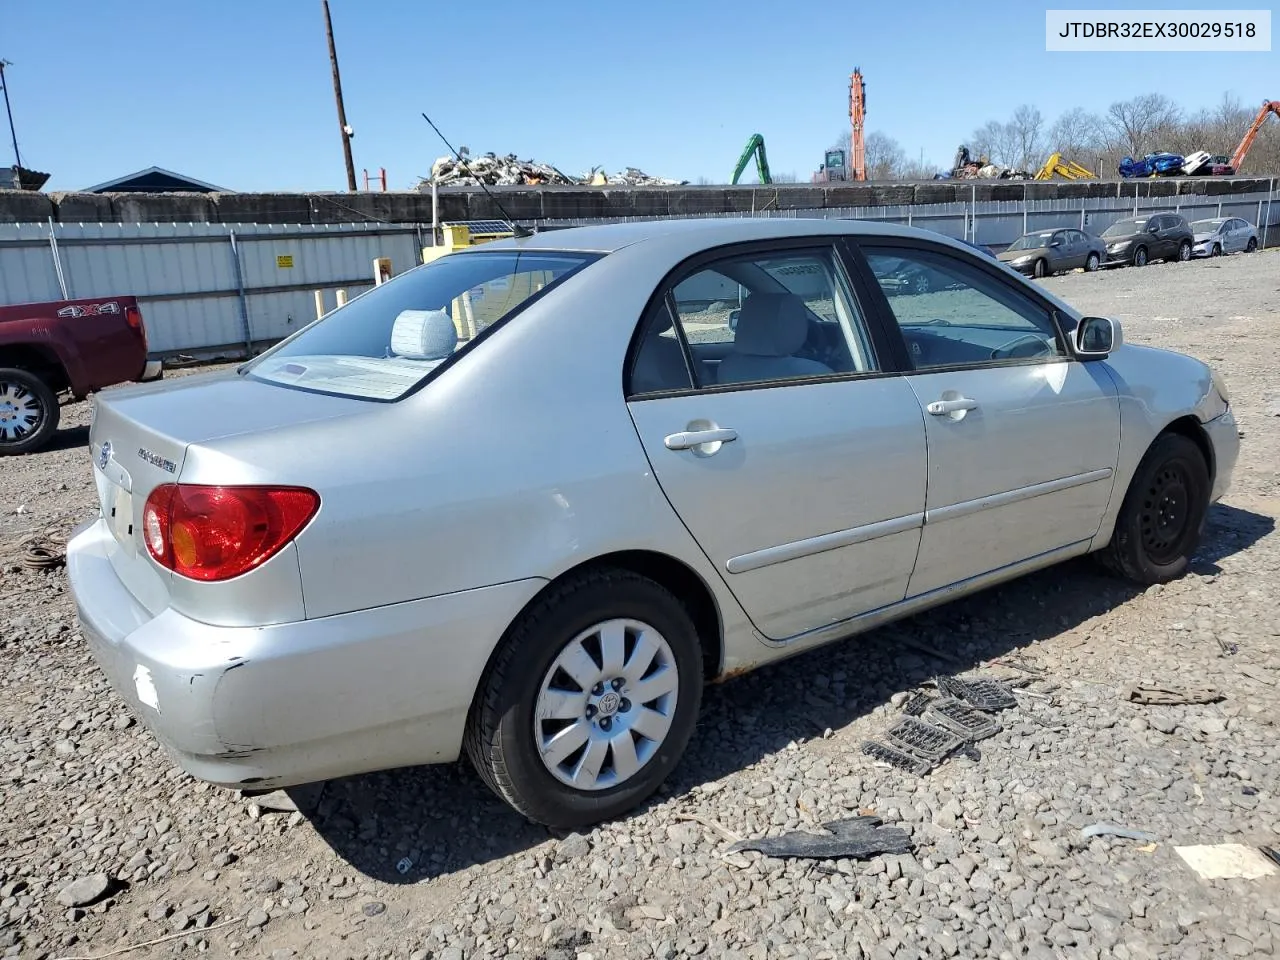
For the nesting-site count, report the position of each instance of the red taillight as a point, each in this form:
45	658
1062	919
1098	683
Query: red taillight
216	533
133	317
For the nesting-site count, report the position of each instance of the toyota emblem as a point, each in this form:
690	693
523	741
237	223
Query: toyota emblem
104	454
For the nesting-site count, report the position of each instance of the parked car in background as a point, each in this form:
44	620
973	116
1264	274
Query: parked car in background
64	345
311	566
1221	235
1157	236
1052	251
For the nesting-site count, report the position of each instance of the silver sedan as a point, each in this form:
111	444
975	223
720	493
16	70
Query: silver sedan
381	544
1223	235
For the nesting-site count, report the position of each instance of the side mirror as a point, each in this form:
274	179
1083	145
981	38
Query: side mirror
1097	337
1153	229
1055	243
733	319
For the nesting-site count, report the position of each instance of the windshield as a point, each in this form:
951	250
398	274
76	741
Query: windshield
1122	228
1207	226
1031	241
384	343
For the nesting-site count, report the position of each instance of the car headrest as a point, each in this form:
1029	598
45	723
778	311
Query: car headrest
771	325
423	335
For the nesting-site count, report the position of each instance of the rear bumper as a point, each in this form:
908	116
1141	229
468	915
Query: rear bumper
297	702
154	370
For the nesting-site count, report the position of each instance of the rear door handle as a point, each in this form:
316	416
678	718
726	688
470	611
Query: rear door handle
695	438
940	408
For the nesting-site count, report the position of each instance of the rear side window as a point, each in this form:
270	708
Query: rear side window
388	341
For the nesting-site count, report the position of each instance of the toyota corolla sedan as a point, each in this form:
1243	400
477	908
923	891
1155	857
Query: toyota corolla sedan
378	544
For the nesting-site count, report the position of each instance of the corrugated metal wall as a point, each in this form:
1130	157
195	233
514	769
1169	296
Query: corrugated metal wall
203	287
215	287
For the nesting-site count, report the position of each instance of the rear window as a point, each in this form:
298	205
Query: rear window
386	342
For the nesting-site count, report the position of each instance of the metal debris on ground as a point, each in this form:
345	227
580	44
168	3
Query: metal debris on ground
509	171
916	703
857	837
896	758
962	719
41	550
923	739
1105	829
980	692
1150	694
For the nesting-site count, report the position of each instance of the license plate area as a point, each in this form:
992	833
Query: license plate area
116	497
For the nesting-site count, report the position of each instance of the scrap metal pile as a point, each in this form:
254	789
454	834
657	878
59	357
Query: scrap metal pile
494	171
967	167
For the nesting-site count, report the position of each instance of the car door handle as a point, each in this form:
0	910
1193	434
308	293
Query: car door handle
941	408
695	438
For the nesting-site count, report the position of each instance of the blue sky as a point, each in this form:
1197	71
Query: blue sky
239	93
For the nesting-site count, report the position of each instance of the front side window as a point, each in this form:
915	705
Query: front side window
967	318
747	319
386	342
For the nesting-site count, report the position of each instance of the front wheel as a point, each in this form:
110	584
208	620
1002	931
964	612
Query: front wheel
1252	245
1140	257
1216	251
590	702
29	411
1092	263
1039	270
1184	251
1163	514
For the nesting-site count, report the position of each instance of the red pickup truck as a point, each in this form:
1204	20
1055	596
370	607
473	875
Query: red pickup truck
75	346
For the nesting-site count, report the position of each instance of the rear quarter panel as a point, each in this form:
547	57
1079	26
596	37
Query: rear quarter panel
95	348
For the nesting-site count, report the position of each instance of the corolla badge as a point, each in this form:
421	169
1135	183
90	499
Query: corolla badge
104	454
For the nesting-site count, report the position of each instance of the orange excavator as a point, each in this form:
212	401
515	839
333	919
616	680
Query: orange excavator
1268	106
857	115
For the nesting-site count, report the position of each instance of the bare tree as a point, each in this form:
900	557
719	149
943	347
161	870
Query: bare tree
1026	137
1138	124
885	157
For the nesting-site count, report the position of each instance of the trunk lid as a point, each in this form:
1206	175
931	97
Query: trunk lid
139	437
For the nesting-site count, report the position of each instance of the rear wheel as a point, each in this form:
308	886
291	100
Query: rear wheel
1092	263
29	411
1252	245
590	702
1184	251
1163	514
1140	257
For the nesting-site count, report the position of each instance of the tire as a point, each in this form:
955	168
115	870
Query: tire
1140	257
1216	251
1039	270
1092	263
504	737
1252	245
920	283
1171	480
1184	251
29	411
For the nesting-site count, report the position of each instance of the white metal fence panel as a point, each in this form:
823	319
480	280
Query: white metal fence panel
203	287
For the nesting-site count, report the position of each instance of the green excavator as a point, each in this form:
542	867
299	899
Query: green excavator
755	146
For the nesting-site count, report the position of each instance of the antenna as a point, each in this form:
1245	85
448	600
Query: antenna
516	229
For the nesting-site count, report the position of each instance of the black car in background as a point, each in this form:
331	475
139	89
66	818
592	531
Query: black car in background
1156	236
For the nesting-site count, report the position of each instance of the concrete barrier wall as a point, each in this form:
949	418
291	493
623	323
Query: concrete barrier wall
566	204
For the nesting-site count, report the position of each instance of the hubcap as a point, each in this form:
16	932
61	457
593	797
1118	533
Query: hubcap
606	704
1165	513
20	412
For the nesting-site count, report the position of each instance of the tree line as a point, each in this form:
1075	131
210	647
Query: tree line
1144	124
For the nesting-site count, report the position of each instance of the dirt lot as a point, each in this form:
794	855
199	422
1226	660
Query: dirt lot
424	863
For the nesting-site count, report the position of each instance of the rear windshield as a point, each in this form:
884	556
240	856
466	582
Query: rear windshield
384	343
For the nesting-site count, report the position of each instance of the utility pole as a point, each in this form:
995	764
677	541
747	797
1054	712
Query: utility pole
17	160
337	95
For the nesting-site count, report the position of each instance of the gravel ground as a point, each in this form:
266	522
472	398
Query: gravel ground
104	844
